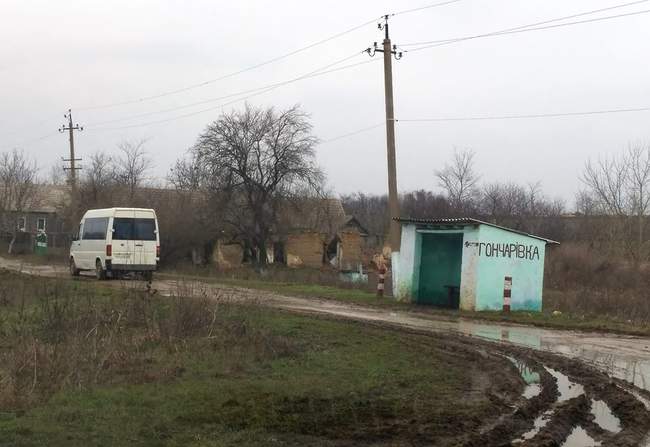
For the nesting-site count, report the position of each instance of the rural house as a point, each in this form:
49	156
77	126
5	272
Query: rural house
312	233
42	212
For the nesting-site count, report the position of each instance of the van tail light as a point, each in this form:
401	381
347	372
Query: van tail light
157	251
109	250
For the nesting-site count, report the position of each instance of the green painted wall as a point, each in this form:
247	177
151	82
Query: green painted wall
489	254
440	266
502	253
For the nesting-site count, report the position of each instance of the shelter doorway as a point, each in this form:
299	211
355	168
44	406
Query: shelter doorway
440	269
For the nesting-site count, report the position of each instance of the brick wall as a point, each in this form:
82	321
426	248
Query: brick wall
351	248
304	249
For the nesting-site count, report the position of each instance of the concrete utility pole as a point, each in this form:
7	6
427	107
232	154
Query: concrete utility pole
393	200
73	169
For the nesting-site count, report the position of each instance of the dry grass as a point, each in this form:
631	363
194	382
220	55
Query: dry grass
62	335
581	281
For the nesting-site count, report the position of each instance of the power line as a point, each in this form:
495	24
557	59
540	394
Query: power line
236	100
229	75
529	27
526	116
434	5
261	64
34	140
356	132
493	117
231	95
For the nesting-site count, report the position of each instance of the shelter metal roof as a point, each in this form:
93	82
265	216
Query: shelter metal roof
468	221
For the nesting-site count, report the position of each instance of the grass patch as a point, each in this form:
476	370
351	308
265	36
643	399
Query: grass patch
563	320
82	365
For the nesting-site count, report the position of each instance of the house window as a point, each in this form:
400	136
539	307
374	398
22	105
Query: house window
40	223
22	224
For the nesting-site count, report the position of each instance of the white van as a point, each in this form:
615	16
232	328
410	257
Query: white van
114	241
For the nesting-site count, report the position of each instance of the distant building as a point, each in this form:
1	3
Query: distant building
312	233
42	212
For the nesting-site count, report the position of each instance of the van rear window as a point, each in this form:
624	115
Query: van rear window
130	229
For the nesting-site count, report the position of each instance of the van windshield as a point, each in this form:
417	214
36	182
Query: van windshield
130	229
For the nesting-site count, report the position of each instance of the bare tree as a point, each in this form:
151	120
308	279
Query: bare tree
17	187
258	159
620	188
98	180
586	203
638	182
56	176
502	202
606	181
132	166
459	179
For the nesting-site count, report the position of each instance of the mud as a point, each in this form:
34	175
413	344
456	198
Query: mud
574	369
631	417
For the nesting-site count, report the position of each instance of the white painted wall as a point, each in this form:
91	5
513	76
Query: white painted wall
404	264
469	269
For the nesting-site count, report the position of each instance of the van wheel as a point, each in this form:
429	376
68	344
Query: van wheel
100	273
74	271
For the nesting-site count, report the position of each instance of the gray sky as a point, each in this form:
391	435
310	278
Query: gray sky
87	53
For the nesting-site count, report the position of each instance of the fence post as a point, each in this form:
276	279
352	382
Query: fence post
380	280
507	293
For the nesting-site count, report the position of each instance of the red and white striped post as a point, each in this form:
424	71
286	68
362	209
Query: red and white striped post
381	277
507	293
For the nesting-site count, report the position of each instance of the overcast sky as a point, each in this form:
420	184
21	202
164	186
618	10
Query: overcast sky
82	54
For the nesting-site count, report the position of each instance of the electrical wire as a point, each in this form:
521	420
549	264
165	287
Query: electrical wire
345	67
34	140
261	64
544	22
494	117
521	29
526	116
229	75
434	5
356	132
231	95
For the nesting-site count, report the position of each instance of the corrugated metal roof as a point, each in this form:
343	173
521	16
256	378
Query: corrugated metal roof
468	221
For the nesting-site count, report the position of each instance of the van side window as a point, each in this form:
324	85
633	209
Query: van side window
95	228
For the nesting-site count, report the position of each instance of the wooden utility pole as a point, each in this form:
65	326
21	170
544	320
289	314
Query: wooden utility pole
73	168
393	200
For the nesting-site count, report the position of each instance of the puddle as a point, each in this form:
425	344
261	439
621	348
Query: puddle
538	424
567	388
532	390
531	378
580	438
604	416
619	356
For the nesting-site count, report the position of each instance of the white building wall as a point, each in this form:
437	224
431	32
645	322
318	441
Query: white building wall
469	269
404	264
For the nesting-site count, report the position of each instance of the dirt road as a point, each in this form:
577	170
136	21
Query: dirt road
623	357
620	357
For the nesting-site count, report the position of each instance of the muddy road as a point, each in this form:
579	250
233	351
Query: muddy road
582	389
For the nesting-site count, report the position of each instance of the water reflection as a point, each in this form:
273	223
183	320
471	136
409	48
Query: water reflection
538	424
604	417
621	357
580	438
531	378
567	388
